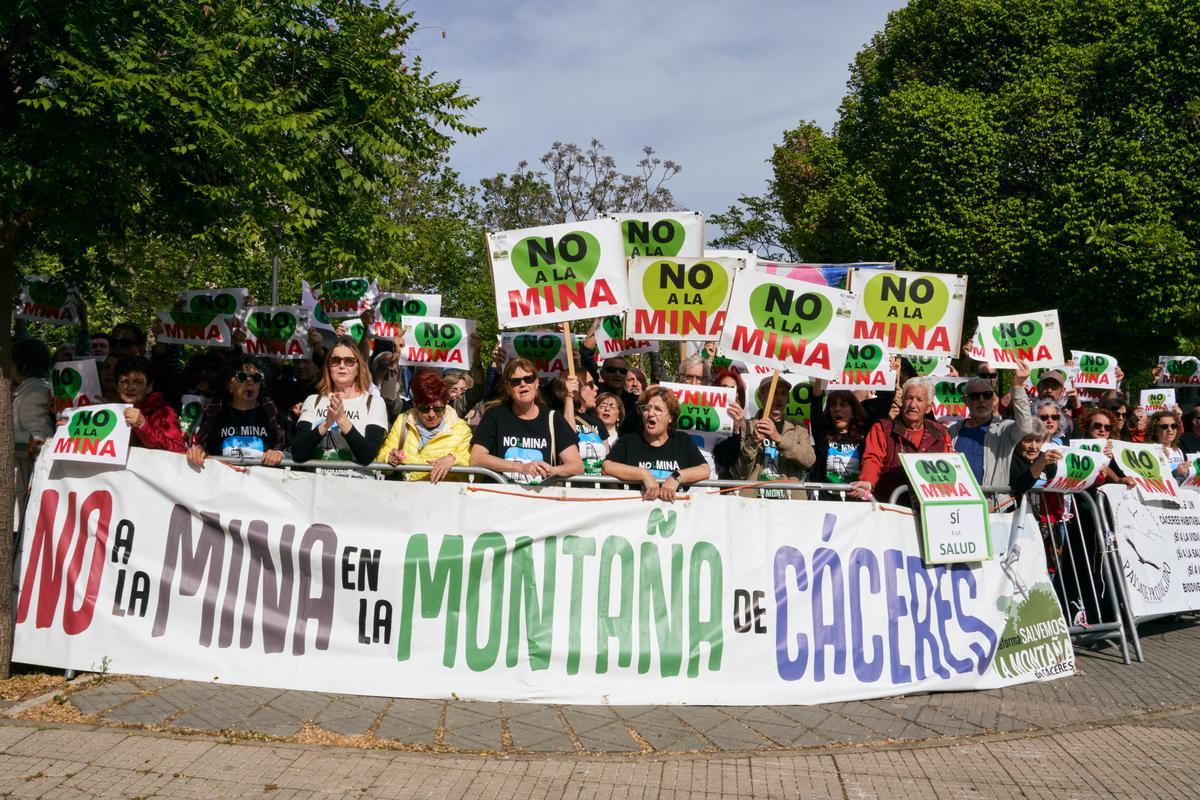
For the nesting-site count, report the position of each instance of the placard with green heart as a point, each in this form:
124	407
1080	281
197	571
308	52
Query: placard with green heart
553	261
662	234
1140	462
614	326
864	358
913	298
1019	335
275	325
435	336
66	383
693	285
46	300
937	471
537	345
950	392
345	288
94	434
437	342
49	293
1079	465
790	311
93	423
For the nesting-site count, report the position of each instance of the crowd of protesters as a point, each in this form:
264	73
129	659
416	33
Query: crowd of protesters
353	402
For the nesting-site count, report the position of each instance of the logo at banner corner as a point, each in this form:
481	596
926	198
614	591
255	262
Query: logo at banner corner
66	383
1035	637
804	315
543	261
661	523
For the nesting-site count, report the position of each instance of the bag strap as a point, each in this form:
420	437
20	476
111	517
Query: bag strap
553	446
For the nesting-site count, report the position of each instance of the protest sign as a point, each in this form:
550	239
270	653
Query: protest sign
1192	479
662	234
1094	370
1148	467
203	317
415	590
975	349
546	349
916	313
835	275
680	299
190	408
611	340
48	300
950	399
799	406
703	409
929	366
344	298
74	384
96	434
277	332
1159	548
1153	400
558	273
868	365
392	307
1078	470
954	512
1034	338
1178	371
316	315
437	342
788	325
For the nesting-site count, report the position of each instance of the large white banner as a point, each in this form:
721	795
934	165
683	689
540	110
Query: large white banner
1159	547
322	583
1035	338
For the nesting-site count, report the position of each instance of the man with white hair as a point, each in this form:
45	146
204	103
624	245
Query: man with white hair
910	432
984	437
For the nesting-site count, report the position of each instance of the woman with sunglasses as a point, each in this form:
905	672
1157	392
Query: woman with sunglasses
430	432
659	457
1050	416
245	424
1099	423
1163	429
521	437
342	422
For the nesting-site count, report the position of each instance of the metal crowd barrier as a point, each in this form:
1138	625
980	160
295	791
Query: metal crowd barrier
353	466
601	481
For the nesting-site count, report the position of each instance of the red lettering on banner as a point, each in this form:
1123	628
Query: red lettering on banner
1030	354
421	354
560	297
274	347
699	397
47	558
184	330
1154	485
47	312
898	334
863	377
945	490
783	348
86	447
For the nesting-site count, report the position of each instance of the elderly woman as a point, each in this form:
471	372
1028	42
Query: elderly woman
521	437
773	447
1047	413
245	424
430	432
155	424
659	457
1031	467
611	411
342	422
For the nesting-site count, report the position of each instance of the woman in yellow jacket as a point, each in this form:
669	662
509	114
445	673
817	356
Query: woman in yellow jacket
428	433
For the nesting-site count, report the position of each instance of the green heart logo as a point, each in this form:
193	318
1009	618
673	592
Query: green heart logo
354	329
662	238
1182	367
1156	399
320	316
671	286
92	425
1020	335
66	383
435	336
614	327
720	362
922	365
950	393
938	471
660	522
698	418
345	289
799	403
393	309
537	347
542	261
1141	462
220	304
1079	467
48	293
863	359
801	315
190	412
278	326
896	297
1093	365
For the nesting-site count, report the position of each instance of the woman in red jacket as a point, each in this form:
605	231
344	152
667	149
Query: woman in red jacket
155	424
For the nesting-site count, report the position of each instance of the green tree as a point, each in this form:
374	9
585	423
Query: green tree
1046	148
168	127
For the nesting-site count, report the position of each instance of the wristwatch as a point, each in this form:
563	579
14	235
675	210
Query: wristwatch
677	476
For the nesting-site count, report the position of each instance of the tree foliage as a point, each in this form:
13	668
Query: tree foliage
1047	148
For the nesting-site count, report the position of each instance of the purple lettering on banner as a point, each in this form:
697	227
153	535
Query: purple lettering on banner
827	527
960	574
925	638
865	671
833	633
209	553
229	606
276	592
893	562
319	608
945	612
789	669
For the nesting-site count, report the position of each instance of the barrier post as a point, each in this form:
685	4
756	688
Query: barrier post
1110	543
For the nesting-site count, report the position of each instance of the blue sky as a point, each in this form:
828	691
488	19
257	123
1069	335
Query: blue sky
714	94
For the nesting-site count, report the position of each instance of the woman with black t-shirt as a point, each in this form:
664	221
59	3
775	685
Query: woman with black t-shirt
244	426
521	437
659	457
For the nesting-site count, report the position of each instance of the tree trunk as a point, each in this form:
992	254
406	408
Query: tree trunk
8	291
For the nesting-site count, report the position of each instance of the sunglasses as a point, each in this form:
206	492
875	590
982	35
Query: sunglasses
1168	426
337	361
1047	417
252	377
429	409
988	395
617	370
988	376
1116	413
1100	426
524	379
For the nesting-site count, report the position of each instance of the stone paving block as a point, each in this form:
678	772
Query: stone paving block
350	716
93	700
411	721
67	745
151	753
226	709
243	763
334	771
150	709
662	729
97	781
10	736
472	726
599	730
725	731
537	728
150	683
886	725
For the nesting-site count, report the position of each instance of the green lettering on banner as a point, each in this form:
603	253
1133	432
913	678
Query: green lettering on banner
539	613
667	619
705	630
482	657
444	580
576	547
621	625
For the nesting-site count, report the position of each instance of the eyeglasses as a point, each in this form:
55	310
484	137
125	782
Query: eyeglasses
1168	426
337	361
987	395
431	409
655	410
252	377
1100	426
693	378
1116	413
616	370
608	405
524	379
1048	417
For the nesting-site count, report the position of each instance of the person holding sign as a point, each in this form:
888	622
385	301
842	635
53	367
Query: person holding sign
1190	438
984	438
910	432
1163	429
155	424
521	437
430	432
246	425
1099	423
1031	466
660	458
33	422
838	434
773	447
340	422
